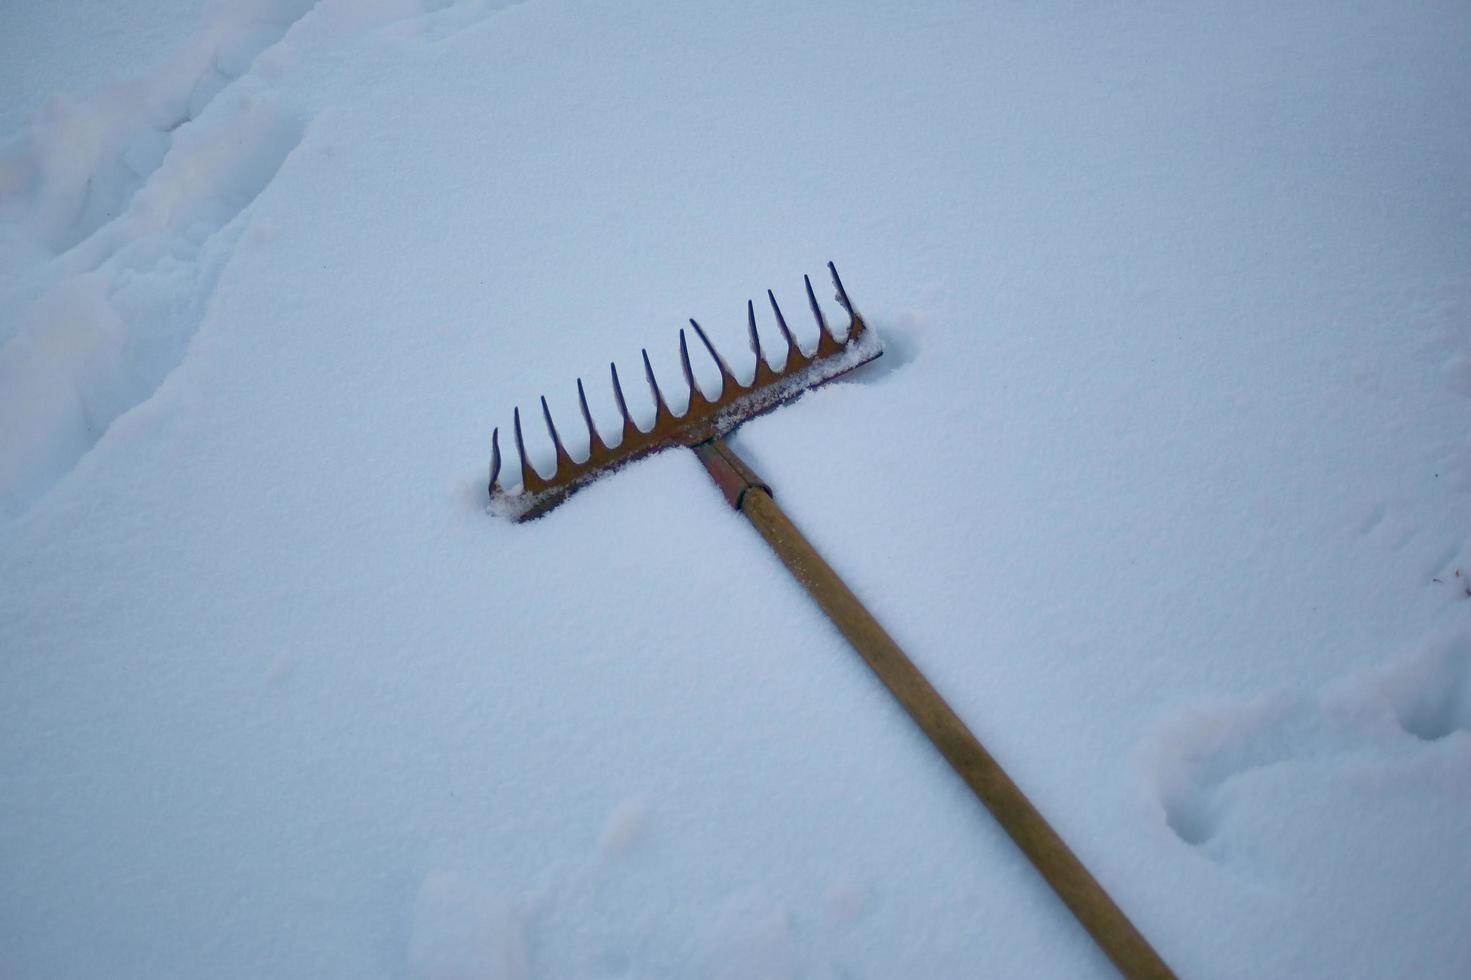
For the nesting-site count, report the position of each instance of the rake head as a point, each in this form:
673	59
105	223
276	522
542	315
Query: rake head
704	419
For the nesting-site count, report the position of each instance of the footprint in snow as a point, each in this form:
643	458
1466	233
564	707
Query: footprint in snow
1204	762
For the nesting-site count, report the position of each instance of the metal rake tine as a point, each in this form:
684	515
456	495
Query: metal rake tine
595	442
527	473
822	326
855	322
622	405
842	296
794	349
563	457
661	408
495	457
689	372
755	337
728	382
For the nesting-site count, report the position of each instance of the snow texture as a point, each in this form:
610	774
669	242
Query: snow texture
1164	479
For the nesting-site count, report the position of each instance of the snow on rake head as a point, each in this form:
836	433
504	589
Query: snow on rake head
703	420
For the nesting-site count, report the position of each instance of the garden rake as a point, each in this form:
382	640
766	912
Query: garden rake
702	427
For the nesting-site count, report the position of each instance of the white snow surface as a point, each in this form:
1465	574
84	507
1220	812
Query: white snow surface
1164	479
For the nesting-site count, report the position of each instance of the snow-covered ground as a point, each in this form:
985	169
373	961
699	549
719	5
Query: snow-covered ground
1165	480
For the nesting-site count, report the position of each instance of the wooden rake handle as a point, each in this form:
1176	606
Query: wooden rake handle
1079	890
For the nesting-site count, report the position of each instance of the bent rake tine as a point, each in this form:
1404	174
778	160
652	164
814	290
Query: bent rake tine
701	428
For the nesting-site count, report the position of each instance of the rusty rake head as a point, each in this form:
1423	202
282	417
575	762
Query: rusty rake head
704	419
